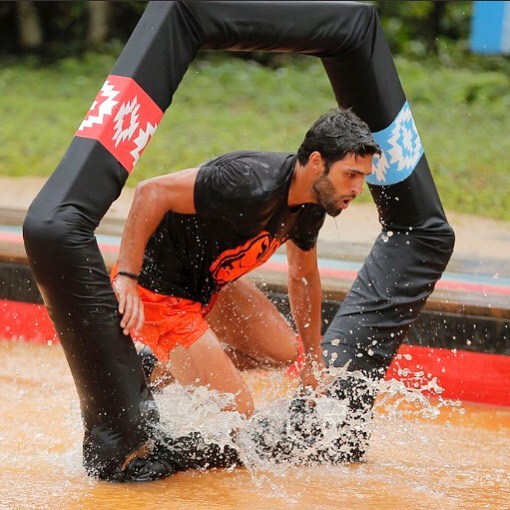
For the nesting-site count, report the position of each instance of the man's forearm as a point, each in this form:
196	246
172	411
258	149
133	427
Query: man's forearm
305	296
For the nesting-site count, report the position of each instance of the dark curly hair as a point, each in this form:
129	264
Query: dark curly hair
335	134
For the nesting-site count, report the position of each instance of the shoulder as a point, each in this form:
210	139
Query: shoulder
255	160
262	171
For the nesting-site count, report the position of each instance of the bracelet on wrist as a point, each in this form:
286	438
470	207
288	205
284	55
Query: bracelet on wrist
133	276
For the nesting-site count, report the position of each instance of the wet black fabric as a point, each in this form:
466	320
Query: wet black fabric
59	228
243	216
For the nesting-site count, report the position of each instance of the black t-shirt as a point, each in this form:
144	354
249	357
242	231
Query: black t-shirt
242	217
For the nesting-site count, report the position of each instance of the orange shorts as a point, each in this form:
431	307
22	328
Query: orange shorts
170	321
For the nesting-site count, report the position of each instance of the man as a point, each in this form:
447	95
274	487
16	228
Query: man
191	236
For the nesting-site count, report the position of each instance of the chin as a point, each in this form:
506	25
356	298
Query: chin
334	213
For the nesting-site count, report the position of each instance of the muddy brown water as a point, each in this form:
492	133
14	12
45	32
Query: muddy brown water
459	459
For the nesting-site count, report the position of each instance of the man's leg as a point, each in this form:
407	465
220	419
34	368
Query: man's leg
205	363
251	328
255	332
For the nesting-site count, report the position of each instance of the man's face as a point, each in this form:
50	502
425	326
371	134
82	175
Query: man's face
343	183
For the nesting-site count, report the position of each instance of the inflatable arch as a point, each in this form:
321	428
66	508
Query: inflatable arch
398	275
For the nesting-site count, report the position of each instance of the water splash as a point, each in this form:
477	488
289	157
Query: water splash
411	458
329	428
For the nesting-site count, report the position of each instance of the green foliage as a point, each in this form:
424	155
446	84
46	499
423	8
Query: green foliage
263	100
226	104
42	108
417	28
462	117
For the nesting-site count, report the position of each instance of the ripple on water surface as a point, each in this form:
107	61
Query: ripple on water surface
424	453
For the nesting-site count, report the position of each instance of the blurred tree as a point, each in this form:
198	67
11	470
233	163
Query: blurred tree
64	28
30	31
99	23
57	28
435	18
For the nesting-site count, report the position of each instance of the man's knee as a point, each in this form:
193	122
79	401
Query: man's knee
288	355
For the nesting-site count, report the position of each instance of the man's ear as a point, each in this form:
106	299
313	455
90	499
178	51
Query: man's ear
316	162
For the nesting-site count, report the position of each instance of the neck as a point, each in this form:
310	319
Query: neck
301	190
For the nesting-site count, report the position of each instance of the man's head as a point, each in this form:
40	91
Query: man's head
335	134
338	151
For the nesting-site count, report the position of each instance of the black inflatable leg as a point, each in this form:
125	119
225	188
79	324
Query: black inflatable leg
116	404
397	278
415	243
148	360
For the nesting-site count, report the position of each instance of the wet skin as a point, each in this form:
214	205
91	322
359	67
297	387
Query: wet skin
337	186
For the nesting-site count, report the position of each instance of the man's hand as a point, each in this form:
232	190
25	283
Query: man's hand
130	304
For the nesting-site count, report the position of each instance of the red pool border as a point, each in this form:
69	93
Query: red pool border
28	322
468	376
463	375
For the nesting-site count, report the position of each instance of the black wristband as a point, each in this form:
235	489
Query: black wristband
133	276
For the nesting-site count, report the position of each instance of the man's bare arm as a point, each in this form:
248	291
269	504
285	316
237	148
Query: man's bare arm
305	295
152	199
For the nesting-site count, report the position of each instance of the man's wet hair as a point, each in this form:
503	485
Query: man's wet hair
335	134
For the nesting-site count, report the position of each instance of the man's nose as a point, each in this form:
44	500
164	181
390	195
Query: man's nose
357	187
